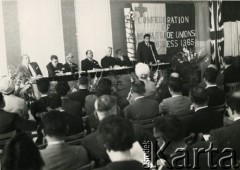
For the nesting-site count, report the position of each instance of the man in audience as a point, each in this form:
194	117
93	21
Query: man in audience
54	67
58	155
70	66
83	91
11	121
89	63
70	106
231	73
123	60
203	119
117	135
216	96
109	61
74	122
178	104
142	108
13	104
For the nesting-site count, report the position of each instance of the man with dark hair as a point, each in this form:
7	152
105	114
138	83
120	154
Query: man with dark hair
70	106
231	73
89	63
70	66
74	122
142	107
146	51
216	96
203	119
12	121
123	60
117	135
54	67
178	104
58	155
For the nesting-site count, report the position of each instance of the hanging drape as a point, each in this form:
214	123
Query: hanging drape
3	59
94	30
41	30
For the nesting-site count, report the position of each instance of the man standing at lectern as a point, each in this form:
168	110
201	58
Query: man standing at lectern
146	51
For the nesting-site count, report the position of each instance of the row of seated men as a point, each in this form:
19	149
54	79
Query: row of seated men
142	106
27	69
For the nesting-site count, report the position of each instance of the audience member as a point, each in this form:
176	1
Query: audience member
89	63
22	154
178	104
70	66
13	104
58	155
54	67
83	91
216	96
12	121
142	108
122	60
117	135
72	107
231	73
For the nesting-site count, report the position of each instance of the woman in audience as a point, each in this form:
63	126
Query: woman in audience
22	154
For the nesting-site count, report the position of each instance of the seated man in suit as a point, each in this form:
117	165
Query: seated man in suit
178	104
54	67
109	61
70	106
117	135
58	155
89	63
203	119
123	60
69	66
146	51
11	121
216	96
231	73
229	136
142	108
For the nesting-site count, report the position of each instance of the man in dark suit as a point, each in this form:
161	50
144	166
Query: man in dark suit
142	108
231	73
117	135
109	61
123	60
69	66
146	51
216	96
58	154
89	63
12	121
178	104
203	119
54	67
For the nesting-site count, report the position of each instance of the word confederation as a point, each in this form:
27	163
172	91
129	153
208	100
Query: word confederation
164	20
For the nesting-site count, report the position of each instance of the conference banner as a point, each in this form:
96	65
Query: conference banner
171	26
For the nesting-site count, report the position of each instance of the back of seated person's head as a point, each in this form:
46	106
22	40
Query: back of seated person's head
138	87
54	101
62	88
22	154
103	89
54	124
43	86
199	96
116	134
2	103
213	66
105	105
228	60
83	81
169	128
142	70
175	85
7	85
210	75
175	75
233	101
105	82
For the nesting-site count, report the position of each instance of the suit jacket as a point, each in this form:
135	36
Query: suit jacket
145	54
79	96
52	70
70	68
11	121
231	75
179	106
142	109
72	107
120	165
124	62
205	119
216	96
89	65
107	62
227	137
39	106
63	156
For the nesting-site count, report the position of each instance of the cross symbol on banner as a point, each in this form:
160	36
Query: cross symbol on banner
141	9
